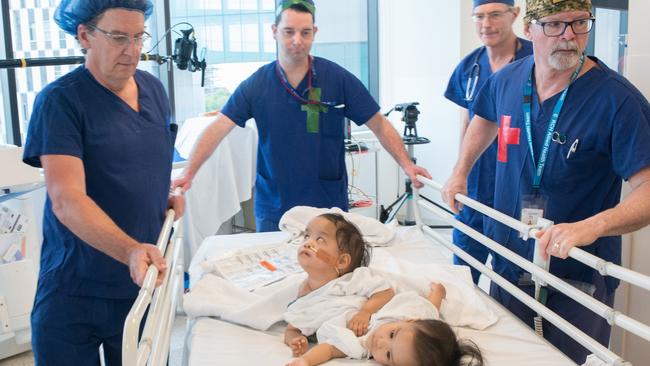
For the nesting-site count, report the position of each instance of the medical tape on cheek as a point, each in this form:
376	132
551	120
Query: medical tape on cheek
325	258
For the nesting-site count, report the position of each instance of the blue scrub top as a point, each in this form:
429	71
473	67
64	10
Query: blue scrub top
126	157
294	166
480	182
610	118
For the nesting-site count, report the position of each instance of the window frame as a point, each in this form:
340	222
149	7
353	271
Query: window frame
162	11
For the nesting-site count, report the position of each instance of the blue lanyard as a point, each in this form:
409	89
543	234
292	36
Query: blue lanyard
528	93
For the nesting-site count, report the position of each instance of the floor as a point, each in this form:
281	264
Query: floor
176	349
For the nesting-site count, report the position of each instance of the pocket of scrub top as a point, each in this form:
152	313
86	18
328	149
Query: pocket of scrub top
333	122
579	167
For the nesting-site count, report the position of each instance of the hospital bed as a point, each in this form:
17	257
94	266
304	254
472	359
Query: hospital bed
507	342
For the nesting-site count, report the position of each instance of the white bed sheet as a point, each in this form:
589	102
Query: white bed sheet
210	341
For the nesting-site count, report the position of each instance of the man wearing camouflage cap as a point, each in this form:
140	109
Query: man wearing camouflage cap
299	103
569	131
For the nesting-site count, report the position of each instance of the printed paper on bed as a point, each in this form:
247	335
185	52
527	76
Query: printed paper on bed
255	267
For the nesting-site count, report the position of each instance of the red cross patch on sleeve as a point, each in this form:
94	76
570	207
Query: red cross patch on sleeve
507	136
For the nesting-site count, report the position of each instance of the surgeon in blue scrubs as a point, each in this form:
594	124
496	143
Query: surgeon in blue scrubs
494	20
299	103
102	135
588	130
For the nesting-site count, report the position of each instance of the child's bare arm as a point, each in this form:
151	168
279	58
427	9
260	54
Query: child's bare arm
295	340
359	322
319	354
437	293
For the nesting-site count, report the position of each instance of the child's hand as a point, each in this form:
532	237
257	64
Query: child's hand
437	290
359	323
437	293
298	362
299	346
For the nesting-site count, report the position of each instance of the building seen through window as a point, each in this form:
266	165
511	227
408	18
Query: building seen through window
3	122
237	38
35	34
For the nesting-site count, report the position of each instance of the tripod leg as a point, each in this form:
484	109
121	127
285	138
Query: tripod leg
400	201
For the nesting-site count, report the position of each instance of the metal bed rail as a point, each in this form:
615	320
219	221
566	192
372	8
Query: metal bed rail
603	267
152	346
606	268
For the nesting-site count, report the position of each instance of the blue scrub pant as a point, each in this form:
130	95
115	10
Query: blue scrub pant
477	250
266	225
578	315
68	330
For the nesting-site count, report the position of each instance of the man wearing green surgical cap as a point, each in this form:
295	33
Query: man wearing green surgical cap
299	103
101	133
570	130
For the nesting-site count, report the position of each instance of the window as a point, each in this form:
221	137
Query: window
32	36
608	39
36	35
3	121
235	36
238	40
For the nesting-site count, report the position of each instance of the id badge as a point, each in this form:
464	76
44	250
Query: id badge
532	208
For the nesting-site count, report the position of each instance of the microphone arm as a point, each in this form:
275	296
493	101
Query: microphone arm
69	60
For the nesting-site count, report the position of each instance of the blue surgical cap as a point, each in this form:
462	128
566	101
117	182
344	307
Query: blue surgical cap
483	2
71	13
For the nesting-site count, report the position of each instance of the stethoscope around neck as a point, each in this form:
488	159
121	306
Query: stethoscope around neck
472	79
311	74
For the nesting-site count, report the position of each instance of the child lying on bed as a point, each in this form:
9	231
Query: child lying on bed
406	331
335	258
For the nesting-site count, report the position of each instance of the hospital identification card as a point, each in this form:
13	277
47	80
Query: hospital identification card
533	207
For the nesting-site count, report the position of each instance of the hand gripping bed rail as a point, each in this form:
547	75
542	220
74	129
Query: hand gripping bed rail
603	267
153	346
579	336
613	317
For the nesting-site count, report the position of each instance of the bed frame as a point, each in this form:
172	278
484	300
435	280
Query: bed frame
152	348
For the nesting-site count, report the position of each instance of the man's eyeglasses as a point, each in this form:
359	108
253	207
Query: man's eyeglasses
557	28
122	40
493	15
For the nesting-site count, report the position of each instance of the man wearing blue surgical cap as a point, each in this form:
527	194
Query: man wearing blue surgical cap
101	134
299	103
493	20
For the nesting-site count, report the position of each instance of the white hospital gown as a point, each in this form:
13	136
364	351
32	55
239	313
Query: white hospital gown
345	294
404	306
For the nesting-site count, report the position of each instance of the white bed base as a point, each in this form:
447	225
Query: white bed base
153	347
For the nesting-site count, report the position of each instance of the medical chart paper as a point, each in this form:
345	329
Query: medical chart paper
259	266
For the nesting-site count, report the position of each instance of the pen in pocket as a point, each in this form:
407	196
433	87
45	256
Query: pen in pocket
573	148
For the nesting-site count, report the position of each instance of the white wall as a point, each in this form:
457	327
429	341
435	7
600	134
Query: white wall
419	45
636	254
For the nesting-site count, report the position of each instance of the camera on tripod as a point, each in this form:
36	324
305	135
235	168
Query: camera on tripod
409	112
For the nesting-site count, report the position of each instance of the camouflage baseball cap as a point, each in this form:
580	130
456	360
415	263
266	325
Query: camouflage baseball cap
537	9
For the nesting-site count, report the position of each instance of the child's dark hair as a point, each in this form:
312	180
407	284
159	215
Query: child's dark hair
350	241
435	343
